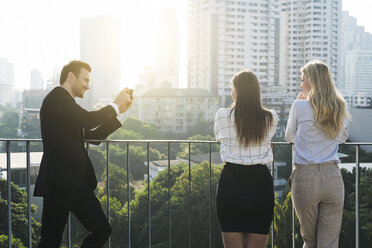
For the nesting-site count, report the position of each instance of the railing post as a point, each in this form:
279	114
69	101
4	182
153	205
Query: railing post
189	195
69	230
29	220
272	174
8	175
108	186
128	197
69	242
148	190
357	196
209	196
169	199
293	212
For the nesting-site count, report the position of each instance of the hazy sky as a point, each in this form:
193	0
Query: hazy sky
45	34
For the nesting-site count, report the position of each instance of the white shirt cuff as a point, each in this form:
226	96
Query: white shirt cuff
115	107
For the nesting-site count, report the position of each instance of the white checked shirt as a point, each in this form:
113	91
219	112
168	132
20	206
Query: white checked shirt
232	151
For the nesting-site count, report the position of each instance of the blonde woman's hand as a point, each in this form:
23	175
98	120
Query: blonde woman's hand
301	96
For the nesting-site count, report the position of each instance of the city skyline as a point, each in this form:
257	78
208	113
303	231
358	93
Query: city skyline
32	31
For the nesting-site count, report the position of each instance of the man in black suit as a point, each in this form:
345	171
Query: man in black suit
66	179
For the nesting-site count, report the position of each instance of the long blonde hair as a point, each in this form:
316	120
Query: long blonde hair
327	102
252	120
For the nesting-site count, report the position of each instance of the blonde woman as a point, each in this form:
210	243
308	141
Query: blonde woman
245	196
317	124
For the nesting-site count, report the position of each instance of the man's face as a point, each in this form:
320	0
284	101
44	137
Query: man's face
80	84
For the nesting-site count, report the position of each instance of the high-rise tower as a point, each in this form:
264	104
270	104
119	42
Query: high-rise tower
226	37
166	60
308	30
6	81
36	80
100	46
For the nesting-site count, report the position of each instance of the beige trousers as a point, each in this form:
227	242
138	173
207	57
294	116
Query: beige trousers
318	198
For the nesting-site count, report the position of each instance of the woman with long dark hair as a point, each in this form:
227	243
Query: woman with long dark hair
245	195
317	123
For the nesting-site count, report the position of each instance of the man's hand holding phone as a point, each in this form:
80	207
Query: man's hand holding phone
124	100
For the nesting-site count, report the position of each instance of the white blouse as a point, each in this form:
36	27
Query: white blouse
311	144
232	151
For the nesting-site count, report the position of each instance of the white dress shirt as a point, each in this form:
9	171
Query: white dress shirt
232	151
115	107
311	143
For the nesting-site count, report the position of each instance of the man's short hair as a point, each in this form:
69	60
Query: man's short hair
74	67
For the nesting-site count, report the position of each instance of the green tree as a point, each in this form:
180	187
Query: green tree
349	150
283	224
8	129
9	125
159	206
137	129
137	157
16	243
197	148
347	235
283	153
118	221
98	158
118	184
349	178
126	134
10	118
203	128
118	156
19	213
180	202
147	130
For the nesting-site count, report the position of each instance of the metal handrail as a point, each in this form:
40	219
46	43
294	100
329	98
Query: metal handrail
168	142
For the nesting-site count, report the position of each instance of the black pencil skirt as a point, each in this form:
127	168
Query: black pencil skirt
245	199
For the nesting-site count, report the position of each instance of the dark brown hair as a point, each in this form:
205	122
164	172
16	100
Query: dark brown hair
252	120
74	67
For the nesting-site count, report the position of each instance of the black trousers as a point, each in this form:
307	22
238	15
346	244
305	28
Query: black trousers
87	209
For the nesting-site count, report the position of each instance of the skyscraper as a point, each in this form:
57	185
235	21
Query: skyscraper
352	35
167	48
353	38
308	30
226	37
36	80
100	46
6	81
358	72
164	70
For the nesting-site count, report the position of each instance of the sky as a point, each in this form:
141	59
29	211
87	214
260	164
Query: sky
45	34
360	9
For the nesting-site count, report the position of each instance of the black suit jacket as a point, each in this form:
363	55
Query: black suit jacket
64	127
